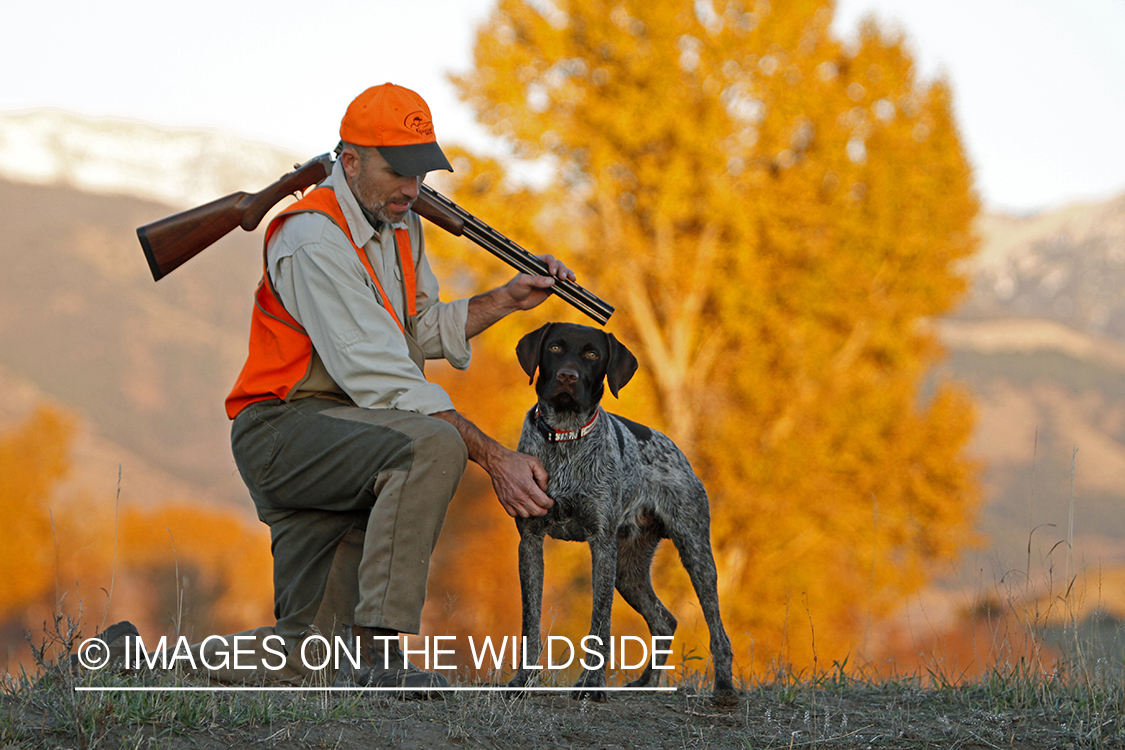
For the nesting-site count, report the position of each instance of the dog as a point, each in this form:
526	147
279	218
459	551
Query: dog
618	485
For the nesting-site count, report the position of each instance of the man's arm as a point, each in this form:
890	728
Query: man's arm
520	480
521	293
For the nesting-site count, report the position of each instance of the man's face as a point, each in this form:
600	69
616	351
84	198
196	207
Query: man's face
379	188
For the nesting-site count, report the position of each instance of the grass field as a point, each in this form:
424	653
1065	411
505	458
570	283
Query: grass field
1075	705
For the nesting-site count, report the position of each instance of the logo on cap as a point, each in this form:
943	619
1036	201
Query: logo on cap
419	123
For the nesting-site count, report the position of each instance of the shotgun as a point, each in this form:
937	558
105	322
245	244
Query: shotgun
174	240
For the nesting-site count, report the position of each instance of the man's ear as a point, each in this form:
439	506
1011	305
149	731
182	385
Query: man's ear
350	161
529	350
621	367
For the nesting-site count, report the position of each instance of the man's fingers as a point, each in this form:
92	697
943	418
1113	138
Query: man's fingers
516	511
527	507
521	485
532	501
540	475
557	268
561	271
538	493
540	501
542	282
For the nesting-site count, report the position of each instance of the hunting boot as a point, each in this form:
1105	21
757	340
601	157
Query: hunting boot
383	665
109	650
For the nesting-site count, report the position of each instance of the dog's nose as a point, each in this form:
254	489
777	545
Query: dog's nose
567	376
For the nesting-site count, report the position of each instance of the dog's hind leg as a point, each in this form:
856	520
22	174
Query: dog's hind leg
634	583
531	593
695	553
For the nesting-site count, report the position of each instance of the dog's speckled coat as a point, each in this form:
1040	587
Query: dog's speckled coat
622	488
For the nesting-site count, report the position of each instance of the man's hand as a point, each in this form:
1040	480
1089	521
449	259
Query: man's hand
527	291
520	480
523	292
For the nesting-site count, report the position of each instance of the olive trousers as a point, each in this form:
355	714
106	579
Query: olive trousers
319	469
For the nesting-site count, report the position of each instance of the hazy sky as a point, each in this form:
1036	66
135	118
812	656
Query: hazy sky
1039	84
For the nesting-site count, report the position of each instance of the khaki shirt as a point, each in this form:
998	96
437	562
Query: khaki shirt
358	349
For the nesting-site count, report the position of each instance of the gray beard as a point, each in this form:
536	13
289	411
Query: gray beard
372	219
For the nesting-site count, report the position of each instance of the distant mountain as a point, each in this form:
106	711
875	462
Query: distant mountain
1040	342
1051	438
1067	266
149	364
101	470
177	167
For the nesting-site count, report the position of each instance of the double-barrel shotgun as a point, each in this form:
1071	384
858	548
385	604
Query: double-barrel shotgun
172	241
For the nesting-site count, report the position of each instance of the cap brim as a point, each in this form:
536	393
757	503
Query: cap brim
416	159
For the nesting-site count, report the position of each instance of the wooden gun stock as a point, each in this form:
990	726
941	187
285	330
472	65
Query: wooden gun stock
172	241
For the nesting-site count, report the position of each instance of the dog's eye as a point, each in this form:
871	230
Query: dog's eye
591	355
554	348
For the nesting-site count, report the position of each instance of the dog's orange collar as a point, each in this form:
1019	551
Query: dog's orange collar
562	436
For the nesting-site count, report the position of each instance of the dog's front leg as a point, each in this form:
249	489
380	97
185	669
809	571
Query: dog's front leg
531	594
603	554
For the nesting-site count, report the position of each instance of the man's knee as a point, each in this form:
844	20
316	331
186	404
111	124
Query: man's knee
443	445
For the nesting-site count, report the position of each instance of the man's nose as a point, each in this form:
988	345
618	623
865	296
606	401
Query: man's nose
411	186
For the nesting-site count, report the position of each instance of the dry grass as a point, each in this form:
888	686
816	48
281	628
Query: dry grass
1013	706
1024	700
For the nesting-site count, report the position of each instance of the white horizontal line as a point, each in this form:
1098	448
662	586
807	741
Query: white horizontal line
302	689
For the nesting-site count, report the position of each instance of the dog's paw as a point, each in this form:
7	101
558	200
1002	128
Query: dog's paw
522	679
724	697
591	684
597	696
650	678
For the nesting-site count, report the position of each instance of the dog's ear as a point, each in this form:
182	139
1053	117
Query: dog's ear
529	349
621	366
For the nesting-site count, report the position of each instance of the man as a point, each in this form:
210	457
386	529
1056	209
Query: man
335	427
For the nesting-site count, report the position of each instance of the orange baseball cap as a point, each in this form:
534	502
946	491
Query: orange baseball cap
396	121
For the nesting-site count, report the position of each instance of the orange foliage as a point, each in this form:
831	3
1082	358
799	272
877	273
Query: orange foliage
33	457
213	568
79	556
776	215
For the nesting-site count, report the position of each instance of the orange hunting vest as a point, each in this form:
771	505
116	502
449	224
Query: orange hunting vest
280	351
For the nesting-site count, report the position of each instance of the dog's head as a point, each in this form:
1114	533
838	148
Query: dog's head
573	362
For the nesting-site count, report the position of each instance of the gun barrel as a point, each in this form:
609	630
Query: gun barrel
511	253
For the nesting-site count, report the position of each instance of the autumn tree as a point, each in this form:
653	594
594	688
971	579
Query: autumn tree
181	566
776	214
34	456
206	570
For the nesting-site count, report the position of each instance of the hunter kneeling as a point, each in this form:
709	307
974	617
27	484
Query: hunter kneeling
350	455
